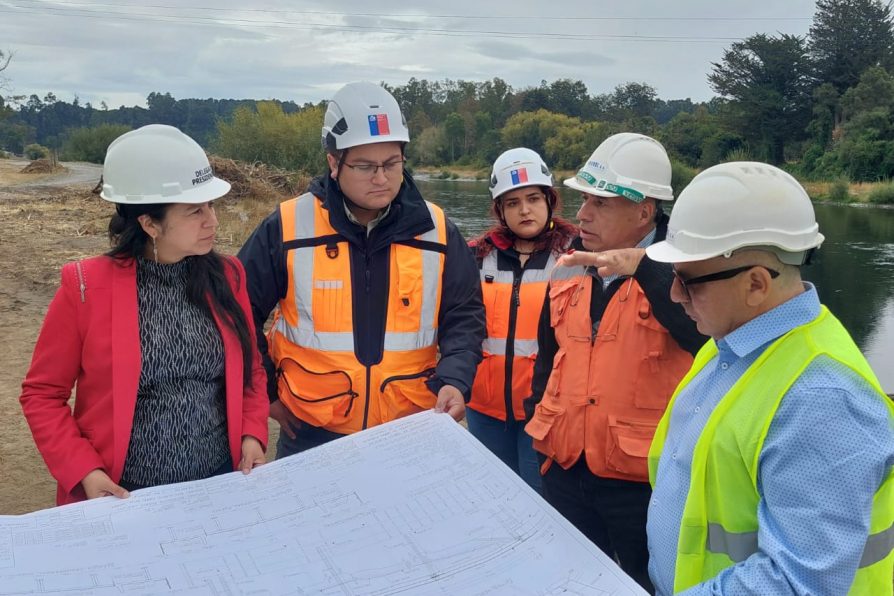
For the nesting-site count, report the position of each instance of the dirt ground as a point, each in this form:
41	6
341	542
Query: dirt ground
47	220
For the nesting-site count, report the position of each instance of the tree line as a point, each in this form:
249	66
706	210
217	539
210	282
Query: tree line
820	105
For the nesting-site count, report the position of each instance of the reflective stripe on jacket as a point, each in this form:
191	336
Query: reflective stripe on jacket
611	380
312	340
720	524
512	304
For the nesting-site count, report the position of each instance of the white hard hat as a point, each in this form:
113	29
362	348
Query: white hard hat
740	205
631	165
158	164
517	168
360	114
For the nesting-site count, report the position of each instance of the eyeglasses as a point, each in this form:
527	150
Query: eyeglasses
717	276
371	169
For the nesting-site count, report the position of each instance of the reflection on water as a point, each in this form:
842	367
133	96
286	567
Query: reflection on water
854	270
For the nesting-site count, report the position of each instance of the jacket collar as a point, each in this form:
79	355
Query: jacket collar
407	217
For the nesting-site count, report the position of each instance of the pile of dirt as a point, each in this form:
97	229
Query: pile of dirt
42	166
257	180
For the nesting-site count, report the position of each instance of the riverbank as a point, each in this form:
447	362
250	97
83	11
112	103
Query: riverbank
838	191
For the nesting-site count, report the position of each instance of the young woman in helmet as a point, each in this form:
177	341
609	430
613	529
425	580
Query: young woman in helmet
156	334
515	258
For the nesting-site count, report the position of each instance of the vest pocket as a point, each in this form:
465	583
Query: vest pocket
319	398
402	395
482	390
627	447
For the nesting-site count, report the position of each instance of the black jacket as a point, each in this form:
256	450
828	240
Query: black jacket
654	278
461	327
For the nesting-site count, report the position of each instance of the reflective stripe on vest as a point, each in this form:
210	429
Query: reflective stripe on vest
738	546
524	348
496	344
723	492
306	336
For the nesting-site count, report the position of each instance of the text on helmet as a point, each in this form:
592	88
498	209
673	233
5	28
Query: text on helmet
203	175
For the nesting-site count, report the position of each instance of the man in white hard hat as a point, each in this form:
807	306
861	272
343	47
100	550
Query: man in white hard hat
379	305
772	468
612	348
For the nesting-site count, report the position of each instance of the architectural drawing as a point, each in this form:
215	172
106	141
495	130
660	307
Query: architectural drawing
416	506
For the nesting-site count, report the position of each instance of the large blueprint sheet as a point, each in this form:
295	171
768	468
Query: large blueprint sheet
417	506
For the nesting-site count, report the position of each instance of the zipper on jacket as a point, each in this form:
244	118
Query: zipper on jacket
428	372
514	303
367	260
366	404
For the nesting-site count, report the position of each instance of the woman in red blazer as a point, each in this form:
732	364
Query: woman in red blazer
134	353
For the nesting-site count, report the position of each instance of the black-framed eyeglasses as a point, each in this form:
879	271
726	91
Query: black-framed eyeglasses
371	169
717	276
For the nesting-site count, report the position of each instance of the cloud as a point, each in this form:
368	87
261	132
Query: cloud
273	49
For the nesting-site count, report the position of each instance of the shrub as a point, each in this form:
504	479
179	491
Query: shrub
269	135
681	175
739	154
35	151
883	194
839	190
90	143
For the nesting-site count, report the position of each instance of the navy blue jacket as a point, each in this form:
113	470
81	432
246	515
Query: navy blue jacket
461	327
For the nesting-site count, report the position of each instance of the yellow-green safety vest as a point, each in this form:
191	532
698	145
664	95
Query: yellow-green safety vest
719	524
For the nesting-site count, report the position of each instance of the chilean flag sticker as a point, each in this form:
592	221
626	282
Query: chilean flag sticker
519	176
378	125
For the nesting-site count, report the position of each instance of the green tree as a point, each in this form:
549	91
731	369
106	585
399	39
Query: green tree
428	146
454	133
766	79
561	140
269	135
865	149
847	37
90	144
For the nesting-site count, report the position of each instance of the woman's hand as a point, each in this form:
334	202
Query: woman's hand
252	454
98	484
451	401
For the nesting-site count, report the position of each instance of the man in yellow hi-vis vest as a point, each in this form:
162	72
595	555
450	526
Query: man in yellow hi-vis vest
379	304
772	467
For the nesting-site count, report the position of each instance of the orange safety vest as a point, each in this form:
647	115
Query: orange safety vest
512	308
312	339
607	392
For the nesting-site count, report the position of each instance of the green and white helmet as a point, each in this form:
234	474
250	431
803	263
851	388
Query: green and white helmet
627	164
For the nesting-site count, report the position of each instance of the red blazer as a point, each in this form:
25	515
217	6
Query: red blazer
90	337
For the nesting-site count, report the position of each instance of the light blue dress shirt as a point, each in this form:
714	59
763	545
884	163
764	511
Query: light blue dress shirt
829	447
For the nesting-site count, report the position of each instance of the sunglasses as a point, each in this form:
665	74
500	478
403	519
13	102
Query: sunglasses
685	284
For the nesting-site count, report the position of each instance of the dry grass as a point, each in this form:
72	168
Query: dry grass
256	191
859	191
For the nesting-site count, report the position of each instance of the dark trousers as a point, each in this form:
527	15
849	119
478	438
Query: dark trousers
610	512
306	437
509	442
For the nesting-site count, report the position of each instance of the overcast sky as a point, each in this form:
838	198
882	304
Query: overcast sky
119	52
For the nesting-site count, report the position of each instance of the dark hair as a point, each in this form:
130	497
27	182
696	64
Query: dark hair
206	286
556	237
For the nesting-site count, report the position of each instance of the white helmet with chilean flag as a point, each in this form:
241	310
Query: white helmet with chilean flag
360	114
517	168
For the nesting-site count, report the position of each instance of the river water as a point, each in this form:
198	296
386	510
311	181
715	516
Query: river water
853	271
